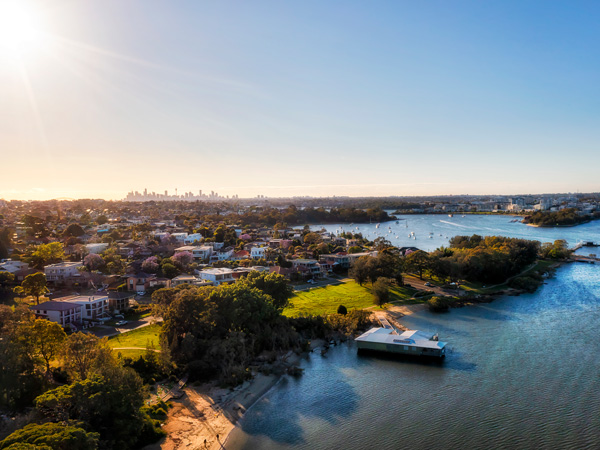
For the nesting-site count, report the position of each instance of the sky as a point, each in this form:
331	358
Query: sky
316	98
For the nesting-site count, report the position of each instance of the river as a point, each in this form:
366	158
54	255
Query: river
522	372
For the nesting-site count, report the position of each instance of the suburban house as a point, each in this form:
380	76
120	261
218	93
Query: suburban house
185	278
13	266
258	252
179	237
221	255
308	267
97	248
217	275
139	281
191	238
202	252
242	254
62	272
63	313
120	301
92	306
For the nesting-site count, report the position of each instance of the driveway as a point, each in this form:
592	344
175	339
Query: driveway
107	330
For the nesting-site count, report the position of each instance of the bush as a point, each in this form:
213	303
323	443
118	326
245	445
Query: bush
381	290
342	310
438	304
528	283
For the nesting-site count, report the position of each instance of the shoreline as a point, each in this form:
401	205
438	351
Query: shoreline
205	415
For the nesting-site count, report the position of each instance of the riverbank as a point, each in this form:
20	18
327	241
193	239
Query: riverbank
205	415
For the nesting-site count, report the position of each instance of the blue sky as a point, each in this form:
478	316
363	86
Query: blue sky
302	98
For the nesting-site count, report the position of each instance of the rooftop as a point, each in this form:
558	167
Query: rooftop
54	306
413	338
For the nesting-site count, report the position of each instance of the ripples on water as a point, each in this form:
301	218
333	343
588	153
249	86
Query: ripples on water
434	225
523	373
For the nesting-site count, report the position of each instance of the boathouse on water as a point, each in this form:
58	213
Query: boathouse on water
411	342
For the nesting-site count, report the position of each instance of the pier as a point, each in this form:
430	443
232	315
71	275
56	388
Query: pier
585	244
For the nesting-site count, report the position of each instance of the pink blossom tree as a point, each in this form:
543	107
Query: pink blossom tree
150	265
182	259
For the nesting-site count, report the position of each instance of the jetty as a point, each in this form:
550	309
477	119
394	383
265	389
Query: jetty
585	244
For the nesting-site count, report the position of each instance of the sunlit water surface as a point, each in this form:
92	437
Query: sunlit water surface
522	373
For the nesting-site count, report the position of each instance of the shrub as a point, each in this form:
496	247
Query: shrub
342	310
438	304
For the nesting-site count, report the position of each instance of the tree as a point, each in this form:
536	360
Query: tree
6	279
44	339
93	261
182	260
272	284
169	270
81	354
359	270
51	436
74	230
34	285
101	219
150	265
45	254
417	262
109	403
381	290
312	238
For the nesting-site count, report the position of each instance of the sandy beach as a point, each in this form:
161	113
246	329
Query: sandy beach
205	415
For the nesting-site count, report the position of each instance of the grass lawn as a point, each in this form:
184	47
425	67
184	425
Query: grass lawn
137	338
133	354
325	300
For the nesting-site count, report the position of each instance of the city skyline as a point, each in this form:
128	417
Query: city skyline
282	100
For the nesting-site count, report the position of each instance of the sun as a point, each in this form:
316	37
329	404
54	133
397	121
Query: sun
18	33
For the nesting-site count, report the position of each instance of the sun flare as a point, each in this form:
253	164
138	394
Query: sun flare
18	32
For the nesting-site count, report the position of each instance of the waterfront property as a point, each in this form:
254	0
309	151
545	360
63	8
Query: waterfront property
411	342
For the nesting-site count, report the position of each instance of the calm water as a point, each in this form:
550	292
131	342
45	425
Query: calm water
441	228
522	373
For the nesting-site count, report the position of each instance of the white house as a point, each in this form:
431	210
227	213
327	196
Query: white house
92	306
179	237
258	252
13	266
63	313
198	251
217	275
97	248
62	271
191	238
221	256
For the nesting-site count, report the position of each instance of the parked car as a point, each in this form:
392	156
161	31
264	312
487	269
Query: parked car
121	323
428	284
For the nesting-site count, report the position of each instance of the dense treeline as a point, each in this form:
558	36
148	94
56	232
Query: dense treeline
295	216
490	259
83	397
216	332
564	217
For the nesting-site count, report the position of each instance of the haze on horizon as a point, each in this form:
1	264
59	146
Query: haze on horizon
298	98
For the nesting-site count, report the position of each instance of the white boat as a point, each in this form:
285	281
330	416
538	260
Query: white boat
377	226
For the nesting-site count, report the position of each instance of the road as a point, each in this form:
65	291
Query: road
320	283
106	330
420	284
